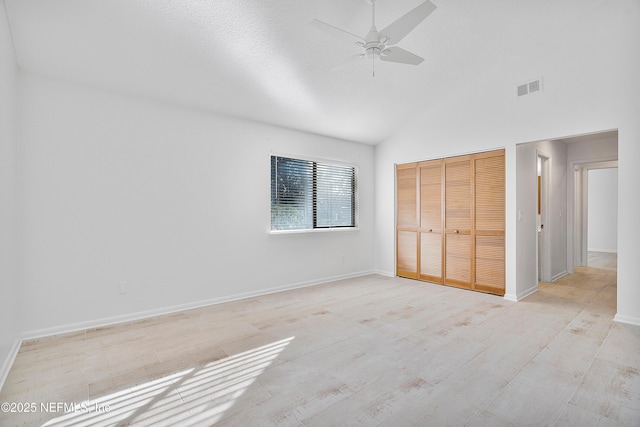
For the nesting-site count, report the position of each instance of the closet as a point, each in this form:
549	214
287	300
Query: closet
450	225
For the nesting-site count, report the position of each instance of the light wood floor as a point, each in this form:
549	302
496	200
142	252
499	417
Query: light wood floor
367	351
603	260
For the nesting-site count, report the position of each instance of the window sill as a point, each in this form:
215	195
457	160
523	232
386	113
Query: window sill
315	230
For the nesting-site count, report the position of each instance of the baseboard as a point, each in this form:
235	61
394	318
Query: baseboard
526	293
8	362
133	317
605	251
627	319
385	273
559	276
521	295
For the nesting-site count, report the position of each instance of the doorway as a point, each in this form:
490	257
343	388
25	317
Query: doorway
598	201
602	218
543	168
554	251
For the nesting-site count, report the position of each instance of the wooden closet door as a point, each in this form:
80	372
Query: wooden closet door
407	221
489	218
458	221
431	230
451	221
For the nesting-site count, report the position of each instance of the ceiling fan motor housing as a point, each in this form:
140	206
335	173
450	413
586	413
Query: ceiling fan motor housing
374	44
374	48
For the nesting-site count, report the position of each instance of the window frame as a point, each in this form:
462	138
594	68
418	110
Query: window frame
315	228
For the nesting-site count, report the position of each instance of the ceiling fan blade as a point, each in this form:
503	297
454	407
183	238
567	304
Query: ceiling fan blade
397	30
335	31
397	54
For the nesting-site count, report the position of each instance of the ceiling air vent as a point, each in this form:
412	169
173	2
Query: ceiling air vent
529	87
523	89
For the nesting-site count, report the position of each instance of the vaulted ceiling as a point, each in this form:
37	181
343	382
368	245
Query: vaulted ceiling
264	61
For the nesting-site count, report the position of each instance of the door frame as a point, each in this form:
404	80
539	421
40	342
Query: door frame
543	242
577	216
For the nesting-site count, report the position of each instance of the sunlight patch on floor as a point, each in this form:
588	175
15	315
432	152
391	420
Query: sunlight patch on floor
194	395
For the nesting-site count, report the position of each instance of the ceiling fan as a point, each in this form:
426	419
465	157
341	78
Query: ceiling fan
382	44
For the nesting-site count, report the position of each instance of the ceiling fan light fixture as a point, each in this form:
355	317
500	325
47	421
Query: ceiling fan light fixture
373	51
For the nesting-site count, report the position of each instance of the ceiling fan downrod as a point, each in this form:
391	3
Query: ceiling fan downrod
373	45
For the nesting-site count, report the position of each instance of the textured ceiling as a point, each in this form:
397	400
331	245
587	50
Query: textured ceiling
262	60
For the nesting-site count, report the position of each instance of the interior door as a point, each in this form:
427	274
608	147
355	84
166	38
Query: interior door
450	225
431	231
407	221
489	195
458	221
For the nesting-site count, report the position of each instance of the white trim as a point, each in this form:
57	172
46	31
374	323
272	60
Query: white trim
559	276
313	230
526	293
325	160
522	295
384	273
604	251
576	206
627	319
543	238
132	317
395	218
8	361
511	222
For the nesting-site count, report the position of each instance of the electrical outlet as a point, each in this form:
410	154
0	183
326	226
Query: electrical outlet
122	288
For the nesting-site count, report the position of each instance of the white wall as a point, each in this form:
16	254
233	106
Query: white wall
603	210
594	151
583	93
115	188
176	202
9	284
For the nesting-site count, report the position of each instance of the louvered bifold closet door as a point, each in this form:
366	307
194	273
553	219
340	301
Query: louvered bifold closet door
407	221
458	221
431	231
489	218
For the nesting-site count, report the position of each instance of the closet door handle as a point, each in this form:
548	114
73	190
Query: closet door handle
456	231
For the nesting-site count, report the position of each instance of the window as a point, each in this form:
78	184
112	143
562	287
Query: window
308	195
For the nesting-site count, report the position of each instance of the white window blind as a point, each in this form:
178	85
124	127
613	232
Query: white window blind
309	195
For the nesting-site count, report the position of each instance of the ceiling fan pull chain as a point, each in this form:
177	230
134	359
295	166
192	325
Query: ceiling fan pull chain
373	65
